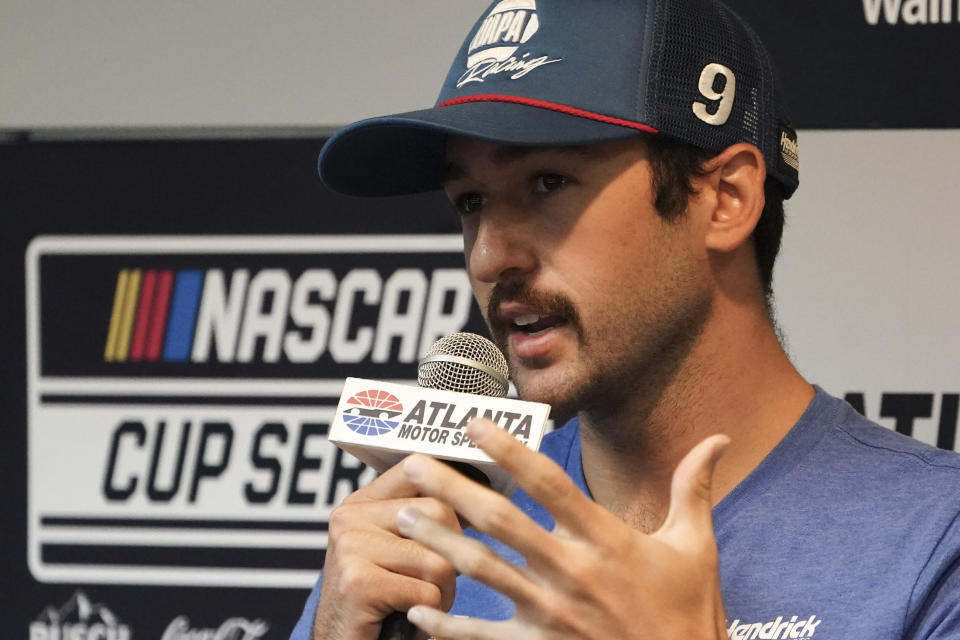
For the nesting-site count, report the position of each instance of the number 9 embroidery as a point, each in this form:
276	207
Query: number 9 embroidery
722	101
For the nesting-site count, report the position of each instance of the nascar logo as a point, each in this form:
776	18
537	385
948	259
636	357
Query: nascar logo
273	314
140	315
371	412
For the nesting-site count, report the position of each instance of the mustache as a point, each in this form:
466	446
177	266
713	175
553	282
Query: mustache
546	303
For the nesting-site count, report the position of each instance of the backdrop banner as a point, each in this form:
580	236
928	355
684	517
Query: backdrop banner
191	310
851	64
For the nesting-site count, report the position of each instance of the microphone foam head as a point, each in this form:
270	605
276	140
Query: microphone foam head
464	362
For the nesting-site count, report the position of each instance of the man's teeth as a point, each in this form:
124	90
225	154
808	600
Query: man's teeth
530	318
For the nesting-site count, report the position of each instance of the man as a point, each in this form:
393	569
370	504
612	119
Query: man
619	168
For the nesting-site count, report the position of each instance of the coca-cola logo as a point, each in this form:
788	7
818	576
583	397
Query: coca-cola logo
230	629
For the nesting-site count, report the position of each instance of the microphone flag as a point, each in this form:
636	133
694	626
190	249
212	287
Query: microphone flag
380	423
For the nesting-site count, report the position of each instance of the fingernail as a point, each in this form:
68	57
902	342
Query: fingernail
415	467
415	615
478	429
406	518
721	448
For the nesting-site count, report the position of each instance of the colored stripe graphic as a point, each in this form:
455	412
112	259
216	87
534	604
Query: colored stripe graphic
151	315
111	347
121	318
143	315
158	321
186	299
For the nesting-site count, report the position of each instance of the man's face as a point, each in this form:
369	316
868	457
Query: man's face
589	292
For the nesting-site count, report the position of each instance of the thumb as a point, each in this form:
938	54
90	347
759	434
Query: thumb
689	520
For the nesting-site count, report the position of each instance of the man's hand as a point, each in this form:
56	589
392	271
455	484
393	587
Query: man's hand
370	570
593	576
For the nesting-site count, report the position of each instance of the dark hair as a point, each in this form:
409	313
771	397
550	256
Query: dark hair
674	164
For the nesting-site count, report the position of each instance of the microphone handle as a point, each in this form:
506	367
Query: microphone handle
396	627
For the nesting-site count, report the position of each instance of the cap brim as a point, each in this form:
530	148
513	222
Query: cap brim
403	153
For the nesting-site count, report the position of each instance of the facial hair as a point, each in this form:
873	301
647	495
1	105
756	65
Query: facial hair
654	335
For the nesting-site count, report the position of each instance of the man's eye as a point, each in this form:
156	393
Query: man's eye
469	203
548	182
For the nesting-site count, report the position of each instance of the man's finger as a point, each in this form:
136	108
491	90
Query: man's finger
470	557
383	514
542	478
443	625
392	483
402	556
486	510
689	519
370	593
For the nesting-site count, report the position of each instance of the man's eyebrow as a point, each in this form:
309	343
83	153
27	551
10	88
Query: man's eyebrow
453	170
506	155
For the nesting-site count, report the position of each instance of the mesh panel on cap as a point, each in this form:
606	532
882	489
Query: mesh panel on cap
693	35
452	362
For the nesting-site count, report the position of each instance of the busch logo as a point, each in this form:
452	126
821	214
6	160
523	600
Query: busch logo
78	619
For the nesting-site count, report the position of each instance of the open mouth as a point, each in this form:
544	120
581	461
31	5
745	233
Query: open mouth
533	324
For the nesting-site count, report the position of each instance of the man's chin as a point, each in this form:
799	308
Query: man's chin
540	386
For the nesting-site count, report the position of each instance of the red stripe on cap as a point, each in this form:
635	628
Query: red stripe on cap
553	106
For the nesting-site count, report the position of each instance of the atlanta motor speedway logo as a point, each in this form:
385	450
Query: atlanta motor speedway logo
181	391
372	413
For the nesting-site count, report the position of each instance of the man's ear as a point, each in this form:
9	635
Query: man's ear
735	178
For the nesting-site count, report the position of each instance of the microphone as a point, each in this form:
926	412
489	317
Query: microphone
464	362
462	376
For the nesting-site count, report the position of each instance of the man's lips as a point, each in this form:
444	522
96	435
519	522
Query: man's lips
535	323
536	341
529	324
528	320
531	332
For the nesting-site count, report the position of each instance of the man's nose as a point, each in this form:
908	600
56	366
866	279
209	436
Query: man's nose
504	247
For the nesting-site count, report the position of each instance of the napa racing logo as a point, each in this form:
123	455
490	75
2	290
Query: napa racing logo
493	49
373	412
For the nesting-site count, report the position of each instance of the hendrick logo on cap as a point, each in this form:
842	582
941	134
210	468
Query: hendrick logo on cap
789	148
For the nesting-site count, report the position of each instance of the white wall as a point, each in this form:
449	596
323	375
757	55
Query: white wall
136	63
866	285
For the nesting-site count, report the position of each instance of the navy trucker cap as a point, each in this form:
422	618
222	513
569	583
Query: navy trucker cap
568	72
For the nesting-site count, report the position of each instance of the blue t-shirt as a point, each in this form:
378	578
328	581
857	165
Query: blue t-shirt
845	531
